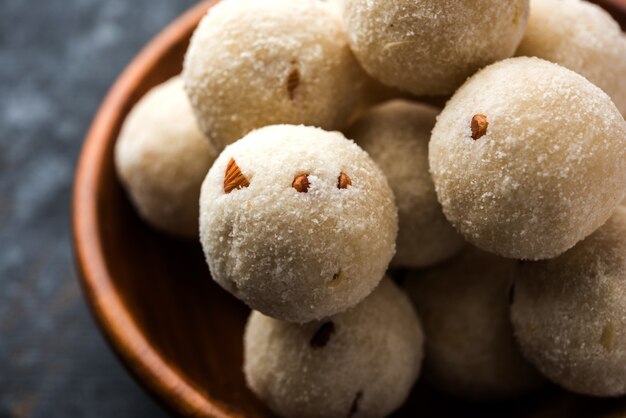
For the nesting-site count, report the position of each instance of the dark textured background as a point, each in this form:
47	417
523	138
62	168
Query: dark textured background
57	60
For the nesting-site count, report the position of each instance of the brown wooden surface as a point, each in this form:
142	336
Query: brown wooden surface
177	331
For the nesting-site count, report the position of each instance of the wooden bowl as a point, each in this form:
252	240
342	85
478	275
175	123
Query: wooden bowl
177	331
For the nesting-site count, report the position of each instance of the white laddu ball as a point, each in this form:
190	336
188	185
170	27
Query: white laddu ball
569	313
580	36
430	47
162	158
528	158
470	351
396	135
297	222
360	363
335	7
253	63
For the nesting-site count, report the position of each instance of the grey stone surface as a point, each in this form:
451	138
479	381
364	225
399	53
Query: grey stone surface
57	60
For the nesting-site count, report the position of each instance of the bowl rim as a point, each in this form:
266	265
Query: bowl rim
146	364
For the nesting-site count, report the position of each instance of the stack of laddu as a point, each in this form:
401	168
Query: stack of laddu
501	211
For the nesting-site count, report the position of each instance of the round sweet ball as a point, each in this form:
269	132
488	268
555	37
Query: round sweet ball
297	222
396	135
470	351
528	158
569	313
375	93
335	7
430	47
253	63
161	158
360	363
595	49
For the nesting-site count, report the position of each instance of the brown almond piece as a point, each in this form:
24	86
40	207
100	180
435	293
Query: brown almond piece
293	81
323	334
511	295
607	339
338	279
343	181
234	178
354	408
301	183
479	126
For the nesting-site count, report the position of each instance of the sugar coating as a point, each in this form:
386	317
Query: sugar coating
396	135
594	46
550	169
253	63
364	367
291	255
162	158
569	313
430	47
470	351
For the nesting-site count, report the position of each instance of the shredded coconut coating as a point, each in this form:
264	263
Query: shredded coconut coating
253	63
582	37
365	367
162	158
569	313
298	256
549	169
335	7
396	136
470	351
430	47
